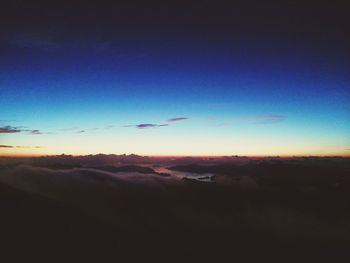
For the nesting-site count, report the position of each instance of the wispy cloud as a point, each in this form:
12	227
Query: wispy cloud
82	130
155	125
269	119
35	132
262	119
9	129
108	127
19	146
177	119
147	125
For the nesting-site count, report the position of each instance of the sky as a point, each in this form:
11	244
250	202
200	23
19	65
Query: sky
249	78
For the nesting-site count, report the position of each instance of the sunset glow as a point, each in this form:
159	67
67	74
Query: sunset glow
100	89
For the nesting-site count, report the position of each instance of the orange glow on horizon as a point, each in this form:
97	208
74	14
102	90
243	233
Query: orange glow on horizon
28	155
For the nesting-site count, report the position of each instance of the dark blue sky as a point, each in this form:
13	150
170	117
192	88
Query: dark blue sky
248	78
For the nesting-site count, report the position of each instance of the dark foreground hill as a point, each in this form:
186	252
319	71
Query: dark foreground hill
89	219
186	224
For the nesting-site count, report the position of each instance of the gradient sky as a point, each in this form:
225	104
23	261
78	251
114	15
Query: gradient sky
174	78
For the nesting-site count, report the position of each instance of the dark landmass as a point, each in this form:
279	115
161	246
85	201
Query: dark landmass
282	210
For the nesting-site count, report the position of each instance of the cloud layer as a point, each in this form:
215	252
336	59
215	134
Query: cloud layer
155	125
147	125
177	119
264	118
9	129
19	146
6	146
269	118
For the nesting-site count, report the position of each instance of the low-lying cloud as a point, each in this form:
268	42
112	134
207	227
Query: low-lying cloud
155	125
77	129
35	132
178	119
147	125
262	119
18	146
269	119
77	185
9	129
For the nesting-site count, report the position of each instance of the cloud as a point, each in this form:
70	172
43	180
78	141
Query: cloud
153	125
9	129
177	119
69	129
80	130
66	185
269	119
36	147
35	132
19	146
147	125
108	127
265	118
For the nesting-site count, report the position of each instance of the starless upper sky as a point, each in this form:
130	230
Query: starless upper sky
174	77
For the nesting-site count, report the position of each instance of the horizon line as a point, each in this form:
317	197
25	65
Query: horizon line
175	156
